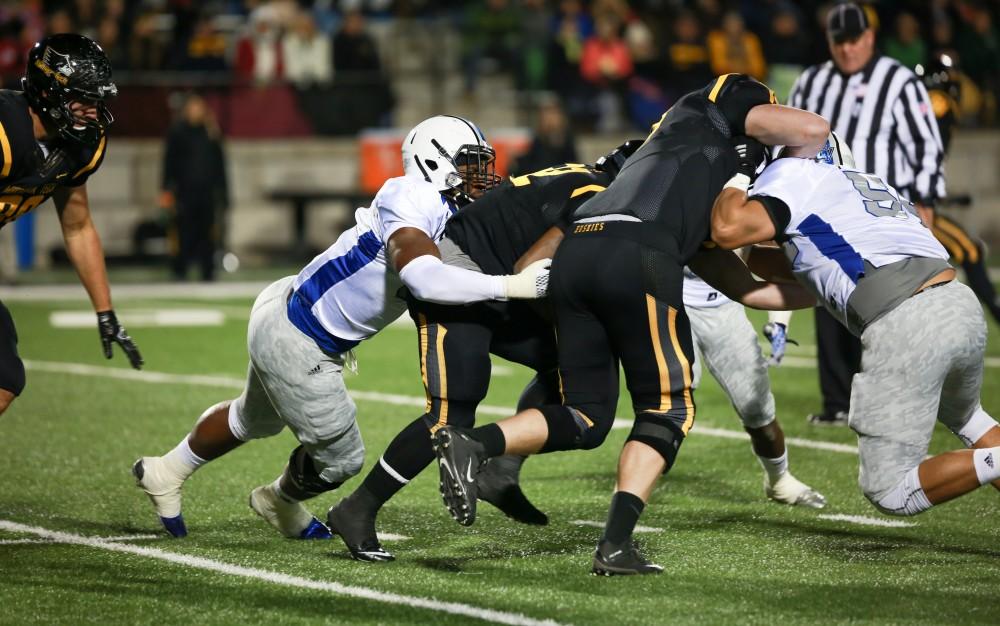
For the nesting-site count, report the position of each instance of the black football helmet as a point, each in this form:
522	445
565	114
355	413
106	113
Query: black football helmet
66	68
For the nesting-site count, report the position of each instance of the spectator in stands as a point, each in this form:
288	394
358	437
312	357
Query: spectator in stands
647	98
552	143
489	32
786	47
979	53
145	50
687	56
354	49
606	64
60	21
108	36
905	44
206	49
571	26
307	54
13	54
533	45
258	53
194	187
734	50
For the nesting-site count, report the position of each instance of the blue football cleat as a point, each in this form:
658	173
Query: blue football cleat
175	526
315	530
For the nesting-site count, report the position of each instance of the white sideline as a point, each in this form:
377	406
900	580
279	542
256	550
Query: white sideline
230	382
639	528
278	578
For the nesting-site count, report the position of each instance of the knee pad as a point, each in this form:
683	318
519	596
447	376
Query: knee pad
244	427
906	498
978	425
570	429
301	480
659	433
541	390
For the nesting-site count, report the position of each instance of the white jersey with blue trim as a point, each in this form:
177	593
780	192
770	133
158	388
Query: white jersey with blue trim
699	294
840	219
348	293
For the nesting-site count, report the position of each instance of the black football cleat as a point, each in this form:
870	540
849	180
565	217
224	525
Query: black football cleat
459	460
357	528
499	484
621	560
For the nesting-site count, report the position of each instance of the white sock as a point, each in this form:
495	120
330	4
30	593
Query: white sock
181	462
276	486
780	317
774	468
987	462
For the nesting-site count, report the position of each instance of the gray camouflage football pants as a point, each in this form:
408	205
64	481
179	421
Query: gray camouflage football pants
726	340
291	382
920	363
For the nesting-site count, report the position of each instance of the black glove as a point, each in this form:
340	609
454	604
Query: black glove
111	330
613	162
749	155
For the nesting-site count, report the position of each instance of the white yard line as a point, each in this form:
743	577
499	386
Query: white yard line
638	528
699	430
279	578
391	537
230	382
18	542
867	521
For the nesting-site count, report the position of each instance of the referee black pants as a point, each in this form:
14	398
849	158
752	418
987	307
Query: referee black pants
616	289
839	356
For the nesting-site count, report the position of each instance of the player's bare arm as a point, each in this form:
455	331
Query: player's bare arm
417	260
775	124
770	263
738	221
83	246
724	270
544	248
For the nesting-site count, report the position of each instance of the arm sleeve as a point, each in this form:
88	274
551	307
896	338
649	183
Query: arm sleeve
920	139
429	279
735	95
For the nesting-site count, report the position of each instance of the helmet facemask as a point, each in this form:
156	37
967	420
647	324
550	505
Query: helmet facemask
475	169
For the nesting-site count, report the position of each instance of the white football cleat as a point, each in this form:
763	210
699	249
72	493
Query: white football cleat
164	492
790	490
290	518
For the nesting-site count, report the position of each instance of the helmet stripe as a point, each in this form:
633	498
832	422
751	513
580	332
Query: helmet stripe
480	138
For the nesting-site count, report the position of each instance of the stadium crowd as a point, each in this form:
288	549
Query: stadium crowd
613	63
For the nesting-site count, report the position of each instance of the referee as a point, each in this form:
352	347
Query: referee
883	112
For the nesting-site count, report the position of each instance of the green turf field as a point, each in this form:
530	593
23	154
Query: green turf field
731	557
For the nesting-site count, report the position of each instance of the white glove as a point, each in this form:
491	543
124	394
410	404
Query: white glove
530	283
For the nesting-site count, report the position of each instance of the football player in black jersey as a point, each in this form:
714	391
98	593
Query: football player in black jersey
616	285
51	140
455	342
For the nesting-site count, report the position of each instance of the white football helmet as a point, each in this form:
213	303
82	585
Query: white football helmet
836	152
452	153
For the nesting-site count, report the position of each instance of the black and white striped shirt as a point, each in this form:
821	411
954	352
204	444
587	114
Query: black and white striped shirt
884	114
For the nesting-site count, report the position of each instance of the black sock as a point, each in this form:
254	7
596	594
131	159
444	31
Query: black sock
492	439
408	454
622	517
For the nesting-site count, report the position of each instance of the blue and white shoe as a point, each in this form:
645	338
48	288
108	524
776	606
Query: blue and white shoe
290	518
164	492
777	334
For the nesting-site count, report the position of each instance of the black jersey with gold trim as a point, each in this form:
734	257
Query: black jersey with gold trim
27	176
499	227
673	179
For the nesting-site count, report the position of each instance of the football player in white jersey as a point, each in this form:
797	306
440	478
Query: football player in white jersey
727	343
870	261
302	330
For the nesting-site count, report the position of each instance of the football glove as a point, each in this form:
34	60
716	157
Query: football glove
777	334
112	331
749	155
530	283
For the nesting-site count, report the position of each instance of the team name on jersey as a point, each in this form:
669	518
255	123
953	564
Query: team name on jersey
589	228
